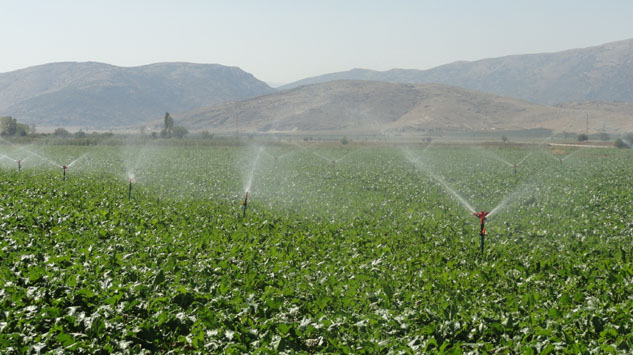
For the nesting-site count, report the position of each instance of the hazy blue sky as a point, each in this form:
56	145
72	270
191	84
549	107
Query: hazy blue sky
283	41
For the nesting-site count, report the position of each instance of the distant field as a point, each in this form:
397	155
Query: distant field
357	248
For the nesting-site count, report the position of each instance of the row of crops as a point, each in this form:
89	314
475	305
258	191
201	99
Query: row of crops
356	249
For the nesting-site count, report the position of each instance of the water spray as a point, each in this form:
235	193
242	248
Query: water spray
64	167
129	190
482	232
244	204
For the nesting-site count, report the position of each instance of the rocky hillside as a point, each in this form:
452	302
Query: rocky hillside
601	73
102	96
383	108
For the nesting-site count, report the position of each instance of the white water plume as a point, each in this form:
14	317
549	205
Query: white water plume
410	156
137	161
332	160
251	173
552	136
78	159
570	154
322	156
510	198
42	158
453	192
524	159
549	154
496	157
343	157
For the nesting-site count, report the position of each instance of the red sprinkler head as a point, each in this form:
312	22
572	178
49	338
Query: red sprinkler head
481	215
482	233
64	167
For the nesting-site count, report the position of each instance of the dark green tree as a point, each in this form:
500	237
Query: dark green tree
169	126
61	132
180	131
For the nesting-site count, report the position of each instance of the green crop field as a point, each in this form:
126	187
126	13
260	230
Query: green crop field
342	249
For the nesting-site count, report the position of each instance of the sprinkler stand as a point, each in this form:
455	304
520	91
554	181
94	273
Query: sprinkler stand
482	232
64	167
244	204
129	190
19	165
515	170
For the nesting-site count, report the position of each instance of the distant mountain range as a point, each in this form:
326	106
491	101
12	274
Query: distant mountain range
102	96
372	107
601	73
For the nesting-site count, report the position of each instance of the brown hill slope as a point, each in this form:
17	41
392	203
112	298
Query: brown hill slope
599	73
379	107
97	95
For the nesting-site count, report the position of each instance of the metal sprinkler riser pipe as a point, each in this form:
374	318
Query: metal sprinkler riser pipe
64	167
244	204
129	191
482	232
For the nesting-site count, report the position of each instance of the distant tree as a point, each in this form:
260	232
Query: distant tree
154	135
344	140
604	136
620	143
180	131
169	126
22	130
61	132
206	135
8	126
504	139
80	134
582	137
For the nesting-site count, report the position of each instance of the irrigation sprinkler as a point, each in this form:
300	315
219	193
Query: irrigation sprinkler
129	190
482	233
64	167
244	204
515	170
19	165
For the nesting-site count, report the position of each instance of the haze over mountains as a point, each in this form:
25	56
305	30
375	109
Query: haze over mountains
102	96
601	73
500	93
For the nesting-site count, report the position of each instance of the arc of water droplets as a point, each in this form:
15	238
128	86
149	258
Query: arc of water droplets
41	157
249	181
78	159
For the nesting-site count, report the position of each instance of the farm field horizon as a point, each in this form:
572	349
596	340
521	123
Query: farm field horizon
341	248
